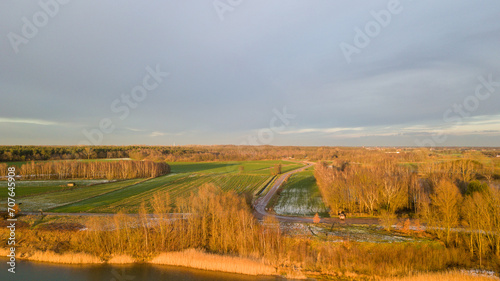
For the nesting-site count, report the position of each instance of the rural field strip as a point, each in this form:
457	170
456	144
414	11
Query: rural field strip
179	184
51	200
183	187
75	200
39	187
111	198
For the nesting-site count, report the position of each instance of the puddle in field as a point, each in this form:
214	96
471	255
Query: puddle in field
481	273
299	202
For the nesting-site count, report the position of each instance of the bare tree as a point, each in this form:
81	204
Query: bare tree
445	206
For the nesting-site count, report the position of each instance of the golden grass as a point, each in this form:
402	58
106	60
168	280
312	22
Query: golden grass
68	258
446	276
4	252
122	259
197	259
295	274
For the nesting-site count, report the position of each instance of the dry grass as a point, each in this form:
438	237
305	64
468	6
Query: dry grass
447	276
4	252
122	259
197	259
69	258
295	274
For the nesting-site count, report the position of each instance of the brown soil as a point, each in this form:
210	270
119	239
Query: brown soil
62	226
19	224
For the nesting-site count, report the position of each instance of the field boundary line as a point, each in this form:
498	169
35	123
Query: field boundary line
265	185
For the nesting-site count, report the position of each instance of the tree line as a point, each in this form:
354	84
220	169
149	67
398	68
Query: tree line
224	153
92	170
366	189
444	194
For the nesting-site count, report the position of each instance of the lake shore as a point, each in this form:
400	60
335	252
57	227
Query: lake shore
190	258
196	259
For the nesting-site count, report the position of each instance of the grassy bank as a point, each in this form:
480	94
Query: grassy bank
52	257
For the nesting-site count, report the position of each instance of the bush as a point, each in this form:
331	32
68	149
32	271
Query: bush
387	219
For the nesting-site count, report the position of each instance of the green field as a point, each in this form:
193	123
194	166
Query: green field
300	196
28	188
252	167
16	164
186	177
52	200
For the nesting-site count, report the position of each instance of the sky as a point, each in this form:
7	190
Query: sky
288	72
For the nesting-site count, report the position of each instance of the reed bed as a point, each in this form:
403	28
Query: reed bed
201	260
67	258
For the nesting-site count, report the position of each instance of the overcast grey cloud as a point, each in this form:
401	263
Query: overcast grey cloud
227	76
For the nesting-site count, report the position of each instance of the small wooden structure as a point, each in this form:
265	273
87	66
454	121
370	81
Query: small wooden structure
71	184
